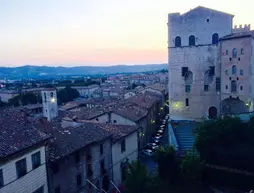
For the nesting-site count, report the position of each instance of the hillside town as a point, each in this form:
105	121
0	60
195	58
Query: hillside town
189	126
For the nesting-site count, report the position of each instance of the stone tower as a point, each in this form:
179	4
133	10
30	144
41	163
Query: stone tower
49	102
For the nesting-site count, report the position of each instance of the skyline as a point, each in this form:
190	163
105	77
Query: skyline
94	32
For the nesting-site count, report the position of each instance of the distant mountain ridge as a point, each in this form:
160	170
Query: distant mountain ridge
47	71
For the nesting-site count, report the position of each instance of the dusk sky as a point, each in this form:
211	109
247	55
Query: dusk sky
95	32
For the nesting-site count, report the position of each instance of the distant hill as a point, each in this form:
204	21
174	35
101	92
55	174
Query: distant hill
46	71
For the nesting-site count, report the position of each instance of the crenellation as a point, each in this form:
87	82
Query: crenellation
241	28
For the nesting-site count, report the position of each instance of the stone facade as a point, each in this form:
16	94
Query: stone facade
197	65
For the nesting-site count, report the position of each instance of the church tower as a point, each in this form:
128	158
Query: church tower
49	102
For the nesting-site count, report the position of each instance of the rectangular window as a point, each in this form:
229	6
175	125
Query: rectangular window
242	51
39	190
186	102
241	72
123	148
184	70
77	157
217	84
187	88
206	87
101	149
36	160
21	168
102	166
226	52
57	189
78	179
212	71
1	178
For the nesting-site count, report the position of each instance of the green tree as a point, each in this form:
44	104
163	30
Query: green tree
192	166
67	94
168	166
24	99
138	180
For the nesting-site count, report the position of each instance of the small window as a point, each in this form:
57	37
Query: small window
186	102
206	87
234	69
237	78
230	59
123	148
97	119
192	40
45	97
234	53
55	168
207	20
226	72
78	179
226	52
184	70
211	70
178	41
36	160
226	87
233	86
1	178
215	38
102	166
39	190
114	121
217	84
101	149
187	88
21	168
239	59
230	78
241	87
57	189
242	51
77	157
241	72
51	95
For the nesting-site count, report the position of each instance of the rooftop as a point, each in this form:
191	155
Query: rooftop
239	35
32	106
16	132
146	101
157	86
84	113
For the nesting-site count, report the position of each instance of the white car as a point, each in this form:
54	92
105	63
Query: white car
152	144
156	141
162	126
159	131
147	152
158	136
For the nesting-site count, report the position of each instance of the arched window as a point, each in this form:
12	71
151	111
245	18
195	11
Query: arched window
45	97
51	94
233	86
178	42
192	40
186	102
234	69
215	38
234	53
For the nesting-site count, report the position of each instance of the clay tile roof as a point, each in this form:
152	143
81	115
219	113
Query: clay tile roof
17	132
84	113
239	35
157	87
146	101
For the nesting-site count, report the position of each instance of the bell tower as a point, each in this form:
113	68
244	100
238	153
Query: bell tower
49	102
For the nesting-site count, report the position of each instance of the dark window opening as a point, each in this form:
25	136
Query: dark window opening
184	70
234	69
233	86
206	87
187	88
215	38
1	178
55	168
242	51
178	42
226	87
239	59
237	78
123	147
241	87
241	72
101	149
45	97
217	84
102	166
234	53
51	95
192	40
36	159
78	178
21	168
230	59
226	52
97	119
77	157
207	20
114	121
212	70
186	102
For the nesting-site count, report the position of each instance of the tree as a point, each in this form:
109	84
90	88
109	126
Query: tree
67	94
138	180
24	99
168	166
192	166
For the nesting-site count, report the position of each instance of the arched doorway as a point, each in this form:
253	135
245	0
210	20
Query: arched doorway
212	113
233	106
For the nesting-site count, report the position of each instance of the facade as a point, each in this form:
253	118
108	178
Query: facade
49	102
194	62
6	95
22	155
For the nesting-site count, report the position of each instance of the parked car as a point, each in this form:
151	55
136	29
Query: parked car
147	152
157	136
159	131
162	126
151	147
152	144
157	141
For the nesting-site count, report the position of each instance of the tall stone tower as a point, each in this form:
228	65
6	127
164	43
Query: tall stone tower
49	102
194	62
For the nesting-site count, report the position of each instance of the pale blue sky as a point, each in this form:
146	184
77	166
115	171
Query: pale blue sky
94	32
